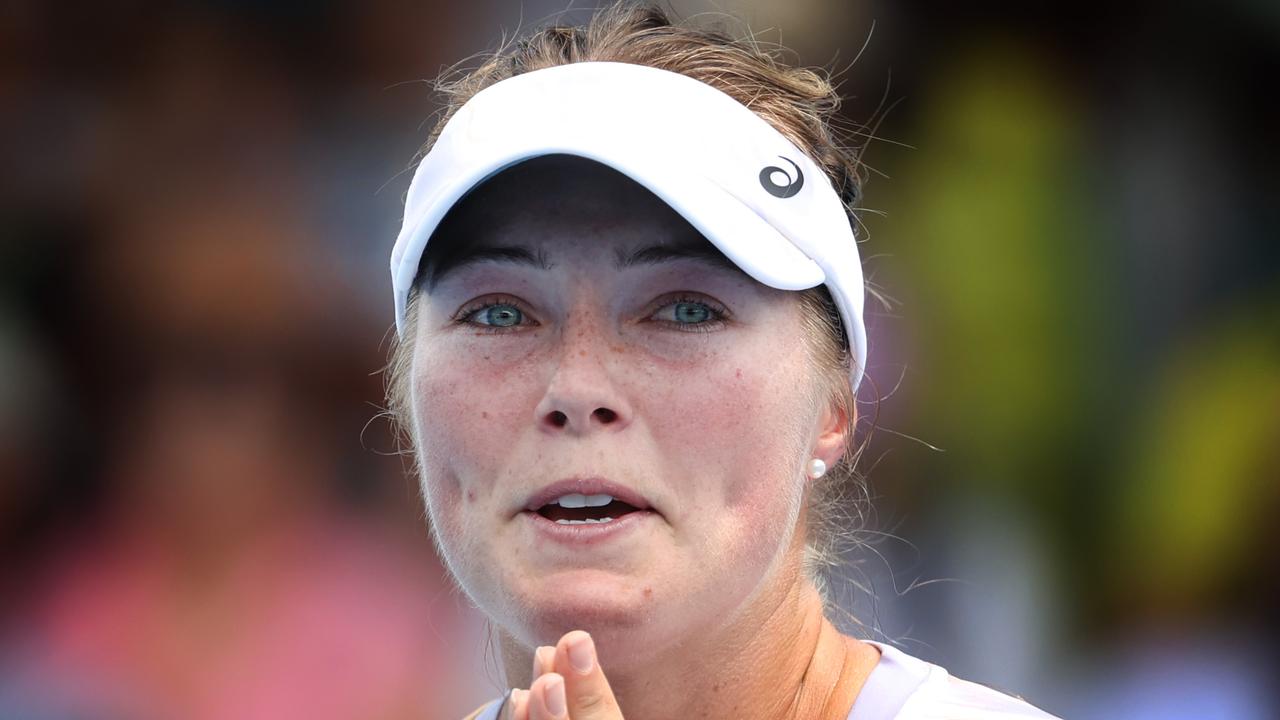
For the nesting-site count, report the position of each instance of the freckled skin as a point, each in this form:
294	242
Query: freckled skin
711	427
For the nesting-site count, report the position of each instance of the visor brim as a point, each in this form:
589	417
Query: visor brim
733	227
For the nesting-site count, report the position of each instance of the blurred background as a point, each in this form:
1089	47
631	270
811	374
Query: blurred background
1077	444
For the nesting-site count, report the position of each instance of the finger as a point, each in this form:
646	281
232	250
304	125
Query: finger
507	711
519	705
544	659
547	698
587	690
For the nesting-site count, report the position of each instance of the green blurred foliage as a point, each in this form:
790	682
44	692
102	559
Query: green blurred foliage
996	234
1195	498
1152	488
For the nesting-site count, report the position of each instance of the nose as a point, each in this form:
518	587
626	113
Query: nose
581	396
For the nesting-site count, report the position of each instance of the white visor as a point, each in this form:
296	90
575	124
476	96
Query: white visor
751	192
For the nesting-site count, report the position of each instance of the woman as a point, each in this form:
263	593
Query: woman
629	306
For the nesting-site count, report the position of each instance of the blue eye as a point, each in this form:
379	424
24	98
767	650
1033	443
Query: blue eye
687	312
690	314
498	315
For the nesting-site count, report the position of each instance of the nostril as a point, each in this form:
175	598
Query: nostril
606	415
559	419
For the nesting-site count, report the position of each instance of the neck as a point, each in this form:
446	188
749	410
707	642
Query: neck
786	662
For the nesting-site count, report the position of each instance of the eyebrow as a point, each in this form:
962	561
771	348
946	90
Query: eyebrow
475	254
700	249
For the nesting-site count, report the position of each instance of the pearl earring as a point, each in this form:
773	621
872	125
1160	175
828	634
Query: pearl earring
817	468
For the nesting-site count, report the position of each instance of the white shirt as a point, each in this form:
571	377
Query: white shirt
903	687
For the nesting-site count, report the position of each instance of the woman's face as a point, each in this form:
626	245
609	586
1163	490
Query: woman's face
576	330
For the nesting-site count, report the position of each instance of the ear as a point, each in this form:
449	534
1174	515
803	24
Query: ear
835	432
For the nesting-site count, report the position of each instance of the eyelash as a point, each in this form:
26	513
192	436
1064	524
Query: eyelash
465	314
718	313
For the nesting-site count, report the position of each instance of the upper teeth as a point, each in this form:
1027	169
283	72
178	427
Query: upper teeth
578	500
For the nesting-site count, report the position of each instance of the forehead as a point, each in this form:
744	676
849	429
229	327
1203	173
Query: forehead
552	208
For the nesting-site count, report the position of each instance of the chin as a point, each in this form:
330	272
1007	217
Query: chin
610	607
635	620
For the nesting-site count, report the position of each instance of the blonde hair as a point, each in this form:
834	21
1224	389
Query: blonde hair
800	103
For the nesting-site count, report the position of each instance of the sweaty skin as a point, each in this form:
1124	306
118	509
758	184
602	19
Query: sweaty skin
572	348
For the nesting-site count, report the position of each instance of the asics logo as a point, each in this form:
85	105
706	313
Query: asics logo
792	186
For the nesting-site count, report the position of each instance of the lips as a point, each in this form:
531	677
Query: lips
586	486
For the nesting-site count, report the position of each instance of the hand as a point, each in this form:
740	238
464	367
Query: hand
568	684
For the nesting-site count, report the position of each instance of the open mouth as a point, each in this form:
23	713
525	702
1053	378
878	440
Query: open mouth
576	509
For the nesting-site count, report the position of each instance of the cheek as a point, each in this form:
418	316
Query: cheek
731	439
464	405
736	427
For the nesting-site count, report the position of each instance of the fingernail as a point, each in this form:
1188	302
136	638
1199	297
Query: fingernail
556	704
546	658
582	654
